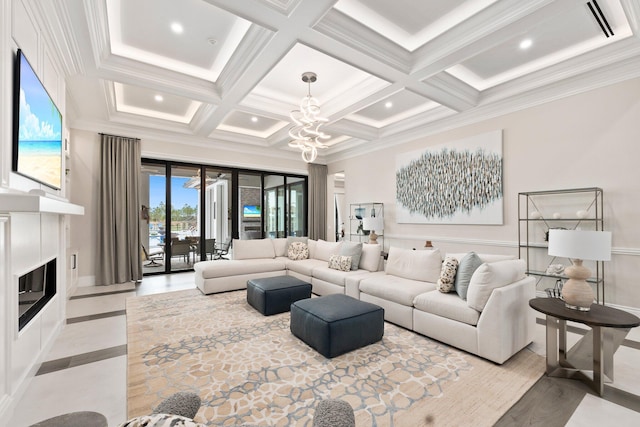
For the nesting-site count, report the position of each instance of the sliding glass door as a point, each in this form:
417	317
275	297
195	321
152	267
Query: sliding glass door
285	206
250	206
192	212
153	217
184	226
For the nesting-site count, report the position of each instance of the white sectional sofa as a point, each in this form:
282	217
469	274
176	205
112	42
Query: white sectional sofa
268	258
489	314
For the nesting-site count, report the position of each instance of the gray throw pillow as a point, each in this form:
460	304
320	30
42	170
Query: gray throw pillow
354	250
467	266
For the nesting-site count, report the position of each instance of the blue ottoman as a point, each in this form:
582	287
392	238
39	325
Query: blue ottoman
336	324
273	295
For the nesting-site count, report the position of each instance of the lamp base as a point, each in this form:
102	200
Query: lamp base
576	292
373	238
575	307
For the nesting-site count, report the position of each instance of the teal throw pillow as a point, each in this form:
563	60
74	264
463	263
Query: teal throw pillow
468	264
354	250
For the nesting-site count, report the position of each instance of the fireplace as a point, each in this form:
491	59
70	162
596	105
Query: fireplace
35	289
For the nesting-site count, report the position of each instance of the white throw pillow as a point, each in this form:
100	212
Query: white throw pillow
160	420
324	250
423	265
340	262
447	280
490	276
370	258
292	239
298	251
251	249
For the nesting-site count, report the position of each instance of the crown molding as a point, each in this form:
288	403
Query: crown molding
254	42
60	34
459	95
97	22
597	60
347	30
483	31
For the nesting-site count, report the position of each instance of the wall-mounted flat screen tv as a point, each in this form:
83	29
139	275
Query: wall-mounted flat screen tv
251	211
37	128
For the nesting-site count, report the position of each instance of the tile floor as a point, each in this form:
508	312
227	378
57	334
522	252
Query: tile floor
86	368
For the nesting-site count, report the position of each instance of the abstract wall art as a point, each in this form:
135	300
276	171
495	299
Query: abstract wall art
459	182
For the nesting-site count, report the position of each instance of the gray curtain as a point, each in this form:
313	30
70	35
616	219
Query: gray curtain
118	252
317	201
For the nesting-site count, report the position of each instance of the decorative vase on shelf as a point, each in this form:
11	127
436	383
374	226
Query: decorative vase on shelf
582	214
359	212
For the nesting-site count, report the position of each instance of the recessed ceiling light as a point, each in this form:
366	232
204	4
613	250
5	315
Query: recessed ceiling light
158	98
388	104
177	27
525	44
254	119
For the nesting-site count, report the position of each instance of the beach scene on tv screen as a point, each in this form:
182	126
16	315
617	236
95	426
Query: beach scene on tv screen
39	131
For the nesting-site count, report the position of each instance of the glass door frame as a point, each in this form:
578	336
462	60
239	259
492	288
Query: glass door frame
234	209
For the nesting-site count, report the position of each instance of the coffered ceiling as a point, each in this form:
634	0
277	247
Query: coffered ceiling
226	73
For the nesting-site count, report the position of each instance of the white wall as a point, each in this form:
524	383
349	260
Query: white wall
84	171
587	140
27	240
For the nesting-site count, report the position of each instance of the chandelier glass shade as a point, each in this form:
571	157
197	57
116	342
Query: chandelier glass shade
305	133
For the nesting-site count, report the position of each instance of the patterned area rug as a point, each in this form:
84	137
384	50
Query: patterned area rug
248	368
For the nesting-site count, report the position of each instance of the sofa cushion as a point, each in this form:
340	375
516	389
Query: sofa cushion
304	267
340	262
394	288
312	248
447	280
370	258
416	265
468	264
234	267
298	251
448	305
324	250
251	249
280	246
331	275
354	250
490	276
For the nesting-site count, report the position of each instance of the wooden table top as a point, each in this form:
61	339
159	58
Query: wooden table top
599	315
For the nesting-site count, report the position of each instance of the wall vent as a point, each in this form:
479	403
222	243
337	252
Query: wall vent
600	18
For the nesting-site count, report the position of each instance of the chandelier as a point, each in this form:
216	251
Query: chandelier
305	132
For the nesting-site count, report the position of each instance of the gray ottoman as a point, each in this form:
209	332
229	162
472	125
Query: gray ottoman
336	324
273	295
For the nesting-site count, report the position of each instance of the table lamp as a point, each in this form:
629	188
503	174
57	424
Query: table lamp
579	245
373	223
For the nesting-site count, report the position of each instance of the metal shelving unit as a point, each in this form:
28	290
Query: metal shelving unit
359	211
539	211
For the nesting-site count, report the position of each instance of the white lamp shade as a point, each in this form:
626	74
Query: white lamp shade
580	244
375	223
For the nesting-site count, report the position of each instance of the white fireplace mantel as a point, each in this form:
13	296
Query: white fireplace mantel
17	202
